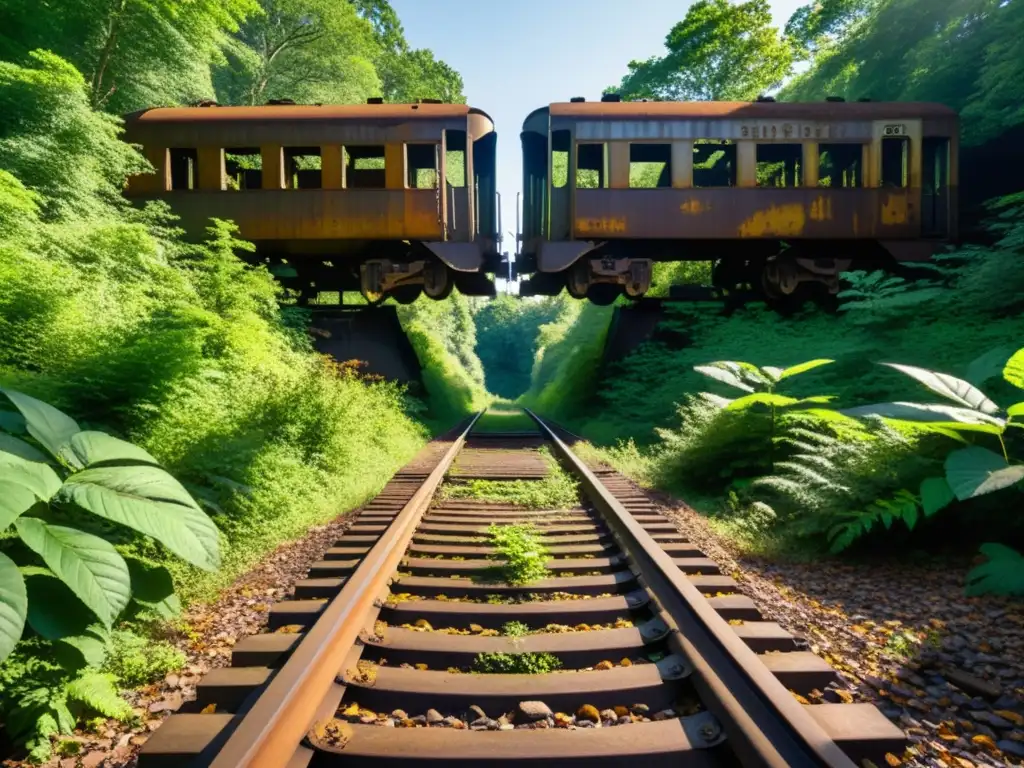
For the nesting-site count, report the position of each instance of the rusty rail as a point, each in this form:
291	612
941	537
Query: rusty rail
766	725
270	731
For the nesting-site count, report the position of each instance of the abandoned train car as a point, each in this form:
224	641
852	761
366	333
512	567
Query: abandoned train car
774	194
388	199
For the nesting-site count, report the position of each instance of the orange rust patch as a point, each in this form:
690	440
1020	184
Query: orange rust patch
602	225
777	220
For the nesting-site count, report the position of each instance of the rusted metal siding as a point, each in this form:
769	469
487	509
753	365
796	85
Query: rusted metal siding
743	110
730	213
370	214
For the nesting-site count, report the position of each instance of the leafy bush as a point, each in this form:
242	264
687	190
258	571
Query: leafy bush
527	663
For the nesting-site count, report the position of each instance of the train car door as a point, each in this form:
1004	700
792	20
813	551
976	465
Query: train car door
935	198
457	184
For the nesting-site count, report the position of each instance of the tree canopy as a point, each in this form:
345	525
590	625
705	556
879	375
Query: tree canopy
720	51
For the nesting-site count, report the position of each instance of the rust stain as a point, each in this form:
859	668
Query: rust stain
694	207
894	210
856	223
777	220
603	225
821	209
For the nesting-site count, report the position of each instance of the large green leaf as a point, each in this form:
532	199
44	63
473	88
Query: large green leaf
1014	370
976	471
12	422
795	370
15	500
13	605
94	448
1003	574
38	478
1017	409
50	427
731	378
947	415
89	649
935	494
54	611
89	565
17	447
988	365
153	588
957	390
150	501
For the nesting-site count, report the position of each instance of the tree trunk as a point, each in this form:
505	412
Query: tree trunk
108	50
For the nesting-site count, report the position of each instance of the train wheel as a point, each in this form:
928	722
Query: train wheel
604	294
437	281
577	279
406	294
371	283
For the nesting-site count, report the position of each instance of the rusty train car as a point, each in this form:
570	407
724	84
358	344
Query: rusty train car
781	196
388	199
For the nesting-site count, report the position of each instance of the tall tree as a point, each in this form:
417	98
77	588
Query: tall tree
133	53
306	50
820	24
720	51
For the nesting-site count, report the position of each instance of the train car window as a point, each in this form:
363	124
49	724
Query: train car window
895	155
244	168
364	166
714	163
592	166
650	166
455	158
839	165
184	169
561	141
780	165
421	162
303	168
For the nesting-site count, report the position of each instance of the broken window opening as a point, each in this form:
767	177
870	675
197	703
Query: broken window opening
421	163
592	166
455	158
364	166
780	165
303	168
243	168
184	169
650	166
714	163
561	141
839	165
895	153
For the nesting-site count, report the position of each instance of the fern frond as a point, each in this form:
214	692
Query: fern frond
97	691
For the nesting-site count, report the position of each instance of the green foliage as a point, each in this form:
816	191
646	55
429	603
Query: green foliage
961	53
528	663
515	629
96	473
520	547
1002	574
721	51
507	336
135	53
444	338
136	661
311	51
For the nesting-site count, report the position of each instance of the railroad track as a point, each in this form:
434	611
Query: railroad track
377	658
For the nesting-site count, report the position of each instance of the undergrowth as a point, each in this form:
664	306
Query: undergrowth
527	663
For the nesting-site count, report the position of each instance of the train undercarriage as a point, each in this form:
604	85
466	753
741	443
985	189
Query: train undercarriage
783	275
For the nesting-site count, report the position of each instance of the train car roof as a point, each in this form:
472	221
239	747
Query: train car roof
765	110
287	113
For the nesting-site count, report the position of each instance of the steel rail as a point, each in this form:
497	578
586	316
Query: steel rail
763	723
272	730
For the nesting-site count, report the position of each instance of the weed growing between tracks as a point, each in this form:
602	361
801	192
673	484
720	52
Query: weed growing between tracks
510	419
522	551
559	490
